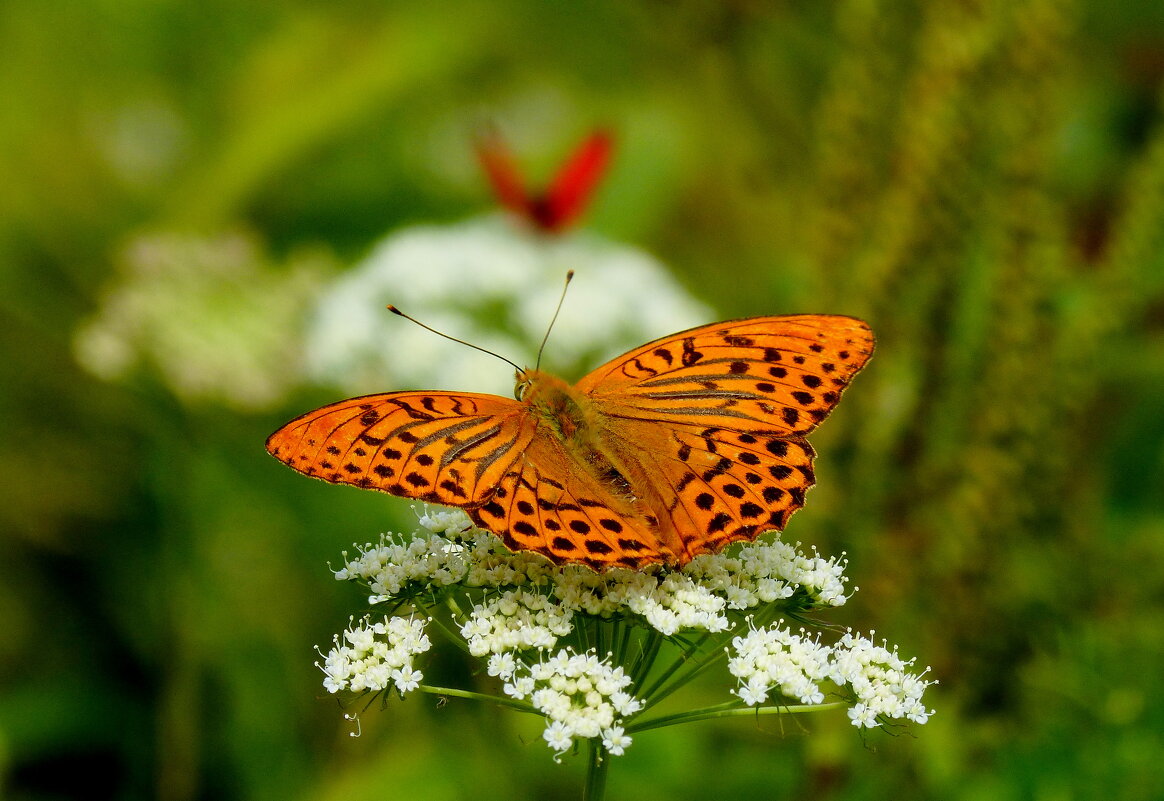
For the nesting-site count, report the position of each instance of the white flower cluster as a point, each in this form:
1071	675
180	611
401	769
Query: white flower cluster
580	695
667	602
450	552
774	658
507	280
210	314
518	607
391	566
699	596
376	654
881	681
516	620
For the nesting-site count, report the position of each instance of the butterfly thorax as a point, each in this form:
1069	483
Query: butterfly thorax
557	406
568	417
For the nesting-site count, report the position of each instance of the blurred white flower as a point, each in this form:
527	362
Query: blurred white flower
494	284
211	315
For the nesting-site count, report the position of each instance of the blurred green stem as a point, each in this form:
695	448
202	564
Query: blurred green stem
726	710
596	767
520	706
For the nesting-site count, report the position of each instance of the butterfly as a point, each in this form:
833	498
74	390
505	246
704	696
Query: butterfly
567	195
675	449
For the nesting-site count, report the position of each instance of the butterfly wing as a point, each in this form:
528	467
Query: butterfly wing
781	374
502	172
480	452
716	486
549	503
434	446
575	182
709	424
694	440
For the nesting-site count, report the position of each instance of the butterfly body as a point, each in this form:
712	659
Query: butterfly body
570	418
554	404
677	448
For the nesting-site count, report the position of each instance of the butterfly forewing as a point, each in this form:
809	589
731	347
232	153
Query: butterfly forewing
435	446
779	374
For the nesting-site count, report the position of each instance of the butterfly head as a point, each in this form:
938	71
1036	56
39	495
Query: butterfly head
541	389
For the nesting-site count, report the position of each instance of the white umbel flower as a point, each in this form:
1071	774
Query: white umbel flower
210	315
581	696
514	609
376	655
516	620
773	658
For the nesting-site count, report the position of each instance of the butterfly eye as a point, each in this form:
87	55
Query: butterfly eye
522	386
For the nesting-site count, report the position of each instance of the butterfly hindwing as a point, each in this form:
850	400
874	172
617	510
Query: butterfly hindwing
435	446
780	374
548	504
721	486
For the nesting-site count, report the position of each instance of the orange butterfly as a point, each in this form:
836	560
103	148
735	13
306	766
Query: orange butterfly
675	449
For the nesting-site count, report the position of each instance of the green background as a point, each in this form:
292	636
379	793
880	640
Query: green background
982	180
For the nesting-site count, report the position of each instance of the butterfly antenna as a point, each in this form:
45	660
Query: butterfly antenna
395	310
550	327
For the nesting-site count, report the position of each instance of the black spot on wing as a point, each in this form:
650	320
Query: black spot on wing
690	354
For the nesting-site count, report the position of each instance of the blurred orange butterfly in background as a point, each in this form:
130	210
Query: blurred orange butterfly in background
568	194
674	449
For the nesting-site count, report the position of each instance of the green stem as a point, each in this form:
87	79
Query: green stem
646	658
454	607
454	637
597	764
583	629
659	693
684	658
729	709
623	641
600	646
520	706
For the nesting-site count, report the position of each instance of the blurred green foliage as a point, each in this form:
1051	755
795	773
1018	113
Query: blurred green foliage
983	180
